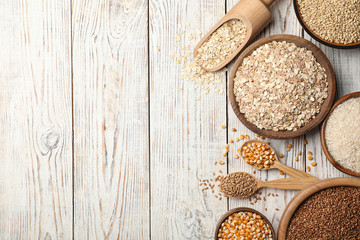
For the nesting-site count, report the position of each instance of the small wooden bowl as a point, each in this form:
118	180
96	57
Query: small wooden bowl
241	209
322	136
304	194
317	37
325	108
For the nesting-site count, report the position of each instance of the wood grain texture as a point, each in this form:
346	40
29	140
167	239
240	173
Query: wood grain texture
347	70
35	118
283	22
139	149
111	145
186	136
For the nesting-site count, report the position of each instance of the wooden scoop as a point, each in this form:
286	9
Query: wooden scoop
254	13
243	185
292	172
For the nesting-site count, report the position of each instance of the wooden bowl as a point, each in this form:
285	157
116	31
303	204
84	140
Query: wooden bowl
241	209
317	37
322	136
304	194
325	108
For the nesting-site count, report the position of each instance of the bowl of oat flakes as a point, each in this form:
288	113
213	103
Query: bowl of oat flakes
282	86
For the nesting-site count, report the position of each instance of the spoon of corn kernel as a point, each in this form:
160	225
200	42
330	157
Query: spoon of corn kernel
243	185
262	156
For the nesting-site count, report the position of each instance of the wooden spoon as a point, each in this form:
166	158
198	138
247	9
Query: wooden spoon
254	13
243	185
292	172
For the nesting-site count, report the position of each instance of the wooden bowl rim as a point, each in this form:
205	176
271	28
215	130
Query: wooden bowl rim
306	193
325	107
322	136
241	209
317	37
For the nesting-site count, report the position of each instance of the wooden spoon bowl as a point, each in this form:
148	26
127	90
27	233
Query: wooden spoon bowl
304	194
323	141
325	108
292	172
241	209
317	37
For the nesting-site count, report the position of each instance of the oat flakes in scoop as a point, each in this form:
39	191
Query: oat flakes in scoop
280	86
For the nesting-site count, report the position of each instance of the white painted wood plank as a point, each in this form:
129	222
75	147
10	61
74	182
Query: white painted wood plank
283	22
35	118
346	65
186	135
110	59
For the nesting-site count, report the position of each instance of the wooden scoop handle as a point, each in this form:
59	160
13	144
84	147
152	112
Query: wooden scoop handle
292	172
268	3
288	183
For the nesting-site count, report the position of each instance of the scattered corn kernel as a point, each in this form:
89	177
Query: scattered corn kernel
305	142
281	155
237	139
236	156
308	168
296	159
313	164
310	158
310	153
221	162
281	172
242	137
233	129
299	153
289	146
226	146
223	126
231	141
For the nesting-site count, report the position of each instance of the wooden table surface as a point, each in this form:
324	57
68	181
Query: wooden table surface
96	140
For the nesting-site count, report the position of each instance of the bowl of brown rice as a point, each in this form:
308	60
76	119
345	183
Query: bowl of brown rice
282	86
340	134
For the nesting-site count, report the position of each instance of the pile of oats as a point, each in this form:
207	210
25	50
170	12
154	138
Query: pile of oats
222	43
190	69
333	20
280	86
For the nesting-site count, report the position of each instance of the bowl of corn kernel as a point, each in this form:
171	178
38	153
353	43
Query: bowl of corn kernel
244	223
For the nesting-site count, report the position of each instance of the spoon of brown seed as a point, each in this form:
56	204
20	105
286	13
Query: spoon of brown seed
243	185
262	156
